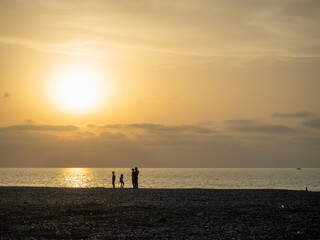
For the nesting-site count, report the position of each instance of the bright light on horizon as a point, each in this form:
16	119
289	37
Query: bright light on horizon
79	88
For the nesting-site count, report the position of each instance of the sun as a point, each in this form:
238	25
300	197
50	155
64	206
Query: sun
79	88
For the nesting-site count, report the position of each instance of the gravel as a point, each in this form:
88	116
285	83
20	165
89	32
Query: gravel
102	213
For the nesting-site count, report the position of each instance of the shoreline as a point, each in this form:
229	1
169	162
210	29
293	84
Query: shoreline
126	188
106	213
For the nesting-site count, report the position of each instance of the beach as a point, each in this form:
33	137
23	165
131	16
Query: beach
103	213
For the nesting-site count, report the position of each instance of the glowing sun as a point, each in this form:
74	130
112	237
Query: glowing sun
78	88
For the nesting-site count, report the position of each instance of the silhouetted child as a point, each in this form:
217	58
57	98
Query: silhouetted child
113	179
121	181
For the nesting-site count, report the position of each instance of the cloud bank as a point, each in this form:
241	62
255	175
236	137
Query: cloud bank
239	122
313	123
156	145
37	127
303	114
273	129
150	127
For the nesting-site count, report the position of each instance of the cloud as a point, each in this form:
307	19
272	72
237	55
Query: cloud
269	129
156	145
69	48
6	95
83	134
313	123
103	127
160	128
112	126
307	141
206	123
250	126
28	121
303	114
221	31
240	122
113	136
108	149
37	127
164	128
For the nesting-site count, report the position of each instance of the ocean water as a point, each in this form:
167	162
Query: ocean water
215	178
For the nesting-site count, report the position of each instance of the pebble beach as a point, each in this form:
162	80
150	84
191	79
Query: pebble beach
103	213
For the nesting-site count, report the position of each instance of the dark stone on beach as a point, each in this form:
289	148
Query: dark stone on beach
98	213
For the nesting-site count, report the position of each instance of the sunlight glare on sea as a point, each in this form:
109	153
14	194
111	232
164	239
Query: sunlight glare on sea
76	177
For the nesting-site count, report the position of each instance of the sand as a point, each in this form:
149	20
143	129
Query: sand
100	213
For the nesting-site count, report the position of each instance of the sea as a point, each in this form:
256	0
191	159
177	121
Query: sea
209	178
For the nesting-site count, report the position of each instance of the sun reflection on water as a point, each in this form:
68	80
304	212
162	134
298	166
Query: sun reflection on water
77	177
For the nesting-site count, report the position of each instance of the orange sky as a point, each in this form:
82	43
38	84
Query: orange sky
178	84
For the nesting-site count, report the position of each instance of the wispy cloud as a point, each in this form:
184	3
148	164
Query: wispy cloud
37	127
151	127
269	129
206	123
239	122
218	29
113	136
72	48
302	114
313	123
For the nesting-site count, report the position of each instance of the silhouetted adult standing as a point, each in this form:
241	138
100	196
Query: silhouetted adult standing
113	180
133	178
136	177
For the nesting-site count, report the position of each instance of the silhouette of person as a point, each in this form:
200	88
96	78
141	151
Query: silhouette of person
121	181
133	178
136	171
113	179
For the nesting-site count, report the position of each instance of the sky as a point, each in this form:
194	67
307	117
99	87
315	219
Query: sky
193	83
